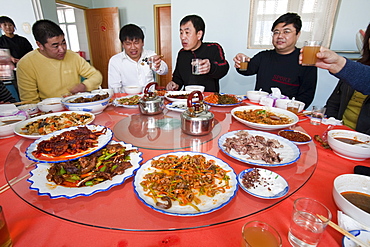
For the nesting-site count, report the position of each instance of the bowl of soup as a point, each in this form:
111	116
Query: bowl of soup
345	143
351	194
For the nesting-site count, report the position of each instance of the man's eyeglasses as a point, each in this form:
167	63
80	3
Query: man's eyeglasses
284	32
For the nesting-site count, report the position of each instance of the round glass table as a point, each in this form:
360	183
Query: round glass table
119	208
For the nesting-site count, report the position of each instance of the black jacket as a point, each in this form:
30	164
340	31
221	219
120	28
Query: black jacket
337	104
219	67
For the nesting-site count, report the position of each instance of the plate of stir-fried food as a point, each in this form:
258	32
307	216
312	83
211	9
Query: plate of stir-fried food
100	171
259	148
222	100
264	118
128	101
185	183
69	144
37	127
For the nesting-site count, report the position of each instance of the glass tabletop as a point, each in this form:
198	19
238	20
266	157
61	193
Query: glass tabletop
119	208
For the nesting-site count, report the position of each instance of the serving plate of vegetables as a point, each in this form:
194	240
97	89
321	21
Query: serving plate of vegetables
109	167
210	183
223	100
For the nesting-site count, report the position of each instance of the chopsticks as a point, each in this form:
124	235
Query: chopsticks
344	232
12	181
23	102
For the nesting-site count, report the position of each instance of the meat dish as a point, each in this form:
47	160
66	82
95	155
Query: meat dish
69	142
261	116
102	165
96	97
256	147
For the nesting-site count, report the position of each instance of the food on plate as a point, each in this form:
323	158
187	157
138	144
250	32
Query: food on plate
178	96
294	136
184	179
106	163
133	100
96	97
261	116
256	147
360	200
254	179
161	92
69	142
44	126
221	99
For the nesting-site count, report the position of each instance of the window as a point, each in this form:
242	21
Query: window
317	20
67	22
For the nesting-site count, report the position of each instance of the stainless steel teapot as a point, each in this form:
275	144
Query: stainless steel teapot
150	103
196	120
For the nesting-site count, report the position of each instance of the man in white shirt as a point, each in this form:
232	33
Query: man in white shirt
132	66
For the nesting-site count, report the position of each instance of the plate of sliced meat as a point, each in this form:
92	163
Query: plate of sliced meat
259	148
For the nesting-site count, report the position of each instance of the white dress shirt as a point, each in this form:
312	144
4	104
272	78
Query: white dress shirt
123	71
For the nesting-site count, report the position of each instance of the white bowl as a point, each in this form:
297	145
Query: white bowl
191	88
29	108
103	91
349	151
283	104
51	104
354	183
133	89
255	96
7	130
95	107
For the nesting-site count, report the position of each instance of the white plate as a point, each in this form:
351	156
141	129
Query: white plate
179	106
297	143
18	128
208	205
116	103
102	141
227	105
360	234
290	153
168	93
44	187
272	185
276	111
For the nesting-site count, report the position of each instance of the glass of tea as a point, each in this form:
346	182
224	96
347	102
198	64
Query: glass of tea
310	49
5	239
257	233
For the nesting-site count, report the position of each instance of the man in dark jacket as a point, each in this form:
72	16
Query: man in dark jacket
213	65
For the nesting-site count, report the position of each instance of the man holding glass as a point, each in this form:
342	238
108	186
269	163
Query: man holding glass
279	67
211	64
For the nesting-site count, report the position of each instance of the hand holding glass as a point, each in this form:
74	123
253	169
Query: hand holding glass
243	64
310	49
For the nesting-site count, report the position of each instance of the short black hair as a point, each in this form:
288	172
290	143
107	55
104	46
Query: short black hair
289	18
5	19
45	29
197	21
131	32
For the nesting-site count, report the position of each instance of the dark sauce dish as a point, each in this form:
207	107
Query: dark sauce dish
295	136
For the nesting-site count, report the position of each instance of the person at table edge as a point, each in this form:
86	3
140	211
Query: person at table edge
348	104
279	67
131	67
52	70
213	65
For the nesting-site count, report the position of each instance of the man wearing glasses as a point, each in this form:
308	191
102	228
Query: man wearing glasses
279	67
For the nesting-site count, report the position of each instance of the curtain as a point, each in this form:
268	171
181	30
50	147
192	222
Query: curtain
317	20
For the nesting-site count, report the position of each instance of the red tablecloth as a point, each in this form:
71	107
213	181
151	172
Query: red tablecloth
30	227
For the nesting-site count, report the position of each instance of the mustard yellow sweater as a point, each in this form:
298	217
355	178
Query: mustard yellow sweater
40	77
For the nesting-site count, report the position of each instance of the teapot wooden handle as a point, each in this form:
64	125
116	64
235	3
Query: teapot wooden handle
191	95
149	85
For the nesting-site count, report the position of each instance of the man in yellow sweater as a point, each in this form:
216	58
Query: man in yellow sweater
52	70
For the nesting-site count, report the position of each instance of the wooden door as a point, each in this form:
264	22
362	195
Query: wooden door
103	31
163	39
